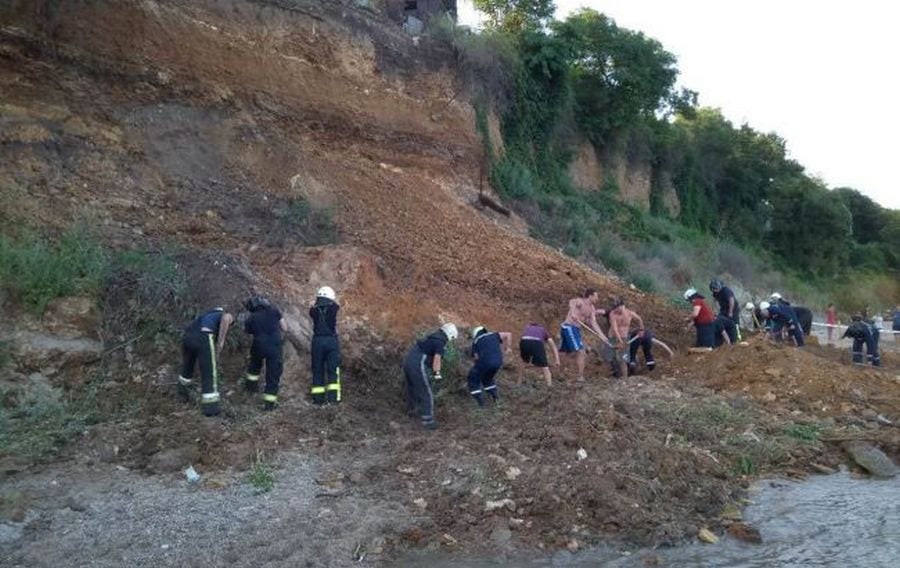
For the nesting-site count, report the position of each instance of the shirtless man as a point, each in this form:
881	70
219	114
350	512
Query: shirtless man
620	319
581	313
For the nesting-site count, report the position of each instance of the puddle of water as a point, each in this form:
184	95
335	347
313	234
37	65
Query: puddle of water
832	520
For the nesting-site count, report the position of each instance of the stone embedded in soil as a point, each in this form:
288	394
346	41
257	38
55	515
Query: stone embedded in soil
509	504
501	536
513	473
707	536
745	533
174	459
871	459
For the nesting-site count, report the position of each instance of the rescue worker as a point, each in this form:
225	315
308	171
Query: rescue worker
266	325
728	308
895	326
423	359
202	342
783	318
325	348
804	315
487	350
533	351
582	312
703	319
863	334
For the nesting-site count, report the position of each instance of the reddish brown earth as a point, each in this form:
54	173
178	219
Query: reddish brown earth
190	125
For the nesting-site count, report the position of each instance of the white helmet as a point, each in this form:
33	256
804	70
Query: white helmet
476	330
326	292
450	331
749	306
764	305
689	293
775	297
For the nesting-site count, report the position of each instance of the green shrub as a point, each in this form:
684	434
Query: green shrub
308	224
262	475
145	292
34	270
644	282
40	424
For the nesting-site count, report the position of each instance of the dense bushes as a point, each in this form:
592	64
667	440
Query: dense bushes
585	77
35	271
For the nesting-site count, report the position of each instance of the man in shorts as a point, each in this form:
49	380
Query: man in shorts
533	352
620	318
582	312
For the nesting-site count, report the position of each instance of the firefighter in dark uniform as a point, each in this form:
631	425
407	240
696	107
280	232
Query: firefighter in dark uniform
326	349
266	325
487	350
424	358
782	317
863	333
202	341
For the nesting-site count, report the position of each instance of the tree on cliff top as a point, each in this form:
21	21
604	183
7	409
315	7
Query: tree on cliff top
516	15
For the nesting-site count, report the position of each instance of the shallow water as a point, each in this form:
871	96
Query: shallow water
832	520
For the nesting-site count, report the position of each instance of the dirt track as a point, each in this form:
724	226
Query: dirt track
193	134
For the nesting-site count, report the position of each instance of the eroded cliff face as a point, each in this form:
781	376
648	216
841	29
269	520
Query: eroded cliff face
634	179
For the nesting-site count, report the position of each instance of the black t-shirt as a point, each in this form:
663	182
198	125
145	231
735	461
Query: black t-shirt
722	297
264	321
433	345
324	317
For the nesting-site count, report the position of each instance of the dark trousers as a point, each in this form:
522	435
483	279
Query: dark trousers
326	369
793	330
266	349
419	397
706	334
871	342
644	343
200	346
481	379
725	324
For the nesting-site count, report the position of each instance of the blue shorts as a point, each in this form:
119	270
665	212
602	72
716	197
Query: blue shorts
571	339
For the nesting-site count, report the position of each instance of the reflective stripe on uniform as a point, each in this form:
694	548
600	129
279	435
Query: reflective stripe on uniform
185	381
475	391
252	378
430	415
492	387
210	397
270	397
212	359
317	389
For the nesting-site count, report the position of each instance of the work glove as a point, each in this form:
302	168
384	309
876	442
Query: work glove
437	377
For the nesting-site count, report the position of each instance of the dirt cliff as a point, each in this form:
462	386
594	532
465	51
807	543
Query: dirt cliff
194	125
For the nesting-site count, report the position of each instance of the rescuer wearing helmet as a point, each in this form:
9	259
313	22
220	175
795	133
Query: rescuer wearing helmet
863	333
424	358
782	317
266	325
487	351
703	319
203	341
326	349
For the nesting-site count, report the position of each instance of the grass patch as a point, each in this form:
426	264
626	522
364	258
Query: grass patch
307	224
39	424
34	270
262	475
808	433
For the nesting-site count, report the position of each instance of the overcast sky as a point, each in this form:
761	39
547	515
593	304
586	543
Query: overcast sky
823	74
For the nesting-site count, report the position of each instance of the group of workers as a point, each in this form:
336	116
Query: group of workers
620	344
